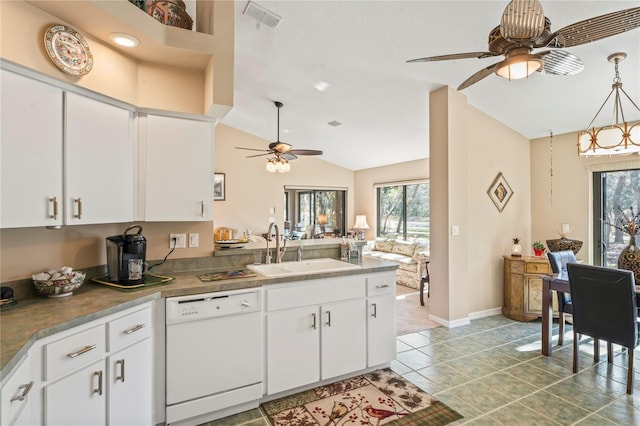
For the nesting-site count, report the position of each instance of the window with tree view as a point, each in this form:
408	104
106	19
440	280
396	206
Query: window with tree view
403	211
614	193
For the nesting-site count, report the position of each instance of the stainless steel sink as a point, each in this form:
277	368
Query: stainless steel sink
310	266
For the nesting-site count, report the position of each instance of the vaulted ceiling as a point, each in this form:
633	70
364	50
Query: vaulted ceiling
360	49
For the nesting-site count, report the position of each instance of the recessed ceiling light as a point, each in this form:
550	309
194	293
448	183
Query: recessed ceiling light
123	39
334	123
321	86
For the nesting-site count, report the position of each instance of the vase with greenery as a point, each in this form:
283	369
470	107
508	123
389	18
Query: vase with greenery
538	248
629	257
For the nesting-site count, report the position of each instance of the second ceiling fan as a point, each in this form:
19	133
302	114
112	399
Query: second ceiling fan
281	149
524	27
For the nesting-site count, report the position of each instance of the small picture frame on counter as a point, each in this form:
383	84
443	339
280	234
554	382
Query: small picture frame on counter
218	187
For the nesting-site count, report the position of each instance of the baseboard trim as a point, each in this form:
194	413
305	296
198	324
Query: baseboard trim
466	321
485	313
450	324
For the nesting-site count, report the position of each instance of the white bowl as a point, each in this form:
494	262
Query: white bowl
60	287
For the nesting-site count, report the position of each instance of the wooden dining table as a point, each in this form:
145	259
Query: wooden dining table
558	282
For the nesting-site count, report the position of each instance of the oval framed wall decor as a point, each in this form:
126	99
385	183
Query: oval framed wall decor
68	50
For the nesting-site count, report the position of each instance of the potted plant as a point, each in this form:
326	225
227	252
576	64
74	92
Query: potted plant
538	248
516	248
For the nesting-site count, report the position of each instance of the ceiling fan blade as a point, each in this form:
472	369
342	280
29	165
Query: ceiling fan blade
259	155
288	156
522	19
469	55
559	62
305	152
253	149
597	28
485	72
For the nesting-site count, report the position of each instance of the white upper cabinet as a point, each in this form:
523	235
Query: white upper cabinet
177	181
99	160
66	159
31	152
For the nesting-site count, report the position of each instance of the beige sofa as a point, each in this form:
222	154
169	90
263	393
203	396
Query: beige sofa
410	256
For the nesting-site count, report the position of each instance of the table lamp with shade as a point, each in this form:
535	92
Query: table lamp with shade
360	226
322	221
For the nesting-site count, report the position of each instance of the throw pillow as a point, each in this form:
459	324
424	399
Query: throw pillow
404	247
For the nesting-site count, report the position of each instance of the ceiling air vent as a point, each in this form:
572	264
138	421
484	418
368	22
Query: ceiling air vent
262	15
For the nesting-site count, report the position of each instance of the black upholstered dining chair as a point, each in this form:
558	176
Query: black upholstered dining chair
604	307
559	261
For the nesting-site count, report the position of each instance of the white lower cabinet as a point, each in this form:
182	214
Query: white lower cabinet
316	330
381	319
130	397
99	373
16	391
293	348
344	338
77	399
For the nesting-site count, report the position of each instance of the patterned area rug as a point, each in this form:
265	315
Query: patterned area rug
378	398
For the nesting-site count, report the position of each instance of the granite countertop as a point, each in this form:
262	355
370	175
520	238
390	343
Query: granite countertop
38	317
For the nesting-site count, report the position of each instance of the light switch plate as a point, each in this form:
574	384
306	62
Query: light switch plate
194	239
455	230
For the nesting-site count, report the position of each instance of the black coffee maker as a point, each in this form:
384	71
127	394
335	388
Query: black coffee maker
126	257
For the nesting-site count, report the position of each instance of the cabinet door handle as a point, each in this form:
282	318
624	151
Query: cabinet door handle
202	209
54	205
121	376
78	202
99	389
25	391
81	351
328	318
134	329
314	325
375	310
382	286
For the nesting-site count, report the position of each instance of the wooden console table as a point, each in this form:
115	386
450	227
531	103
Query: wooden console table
523	287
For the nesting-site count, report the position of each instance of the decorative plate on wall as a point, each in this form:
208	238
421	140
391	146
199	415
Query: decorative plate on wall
68	50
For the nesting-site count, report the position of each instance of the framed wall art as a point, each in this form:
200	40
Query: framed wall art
500	192
218	187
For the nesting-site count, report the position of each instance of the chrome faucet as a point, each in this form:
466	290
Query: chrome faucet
279	252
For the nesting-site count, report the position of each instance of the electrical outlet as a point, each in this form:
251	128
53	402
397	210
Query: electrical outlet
177	240
193	239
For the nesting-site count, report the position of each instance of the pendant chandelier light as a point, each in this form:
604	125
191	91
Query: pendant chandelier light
619	137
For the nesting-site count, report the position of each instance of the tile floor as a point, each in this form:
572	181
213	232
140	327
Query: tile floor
491	371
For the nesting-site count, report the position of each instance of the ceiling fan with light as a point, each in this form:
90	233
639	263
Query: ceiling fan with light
282	152
524	27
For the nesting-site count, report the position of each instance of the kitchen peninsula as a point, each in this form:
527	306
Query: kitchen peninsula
33	328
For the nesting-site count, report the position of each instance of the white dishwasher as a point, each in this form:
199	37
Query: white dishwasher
214	355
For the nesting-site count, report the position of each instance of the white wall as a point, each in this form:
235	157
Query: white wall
468	149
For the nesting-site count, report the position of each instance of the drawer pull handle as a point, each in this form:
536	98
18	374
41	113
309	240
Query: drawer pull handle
382	286
25	391
121	376
99	389
78	201
134	329
54	202
314	325
328	318
81	351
